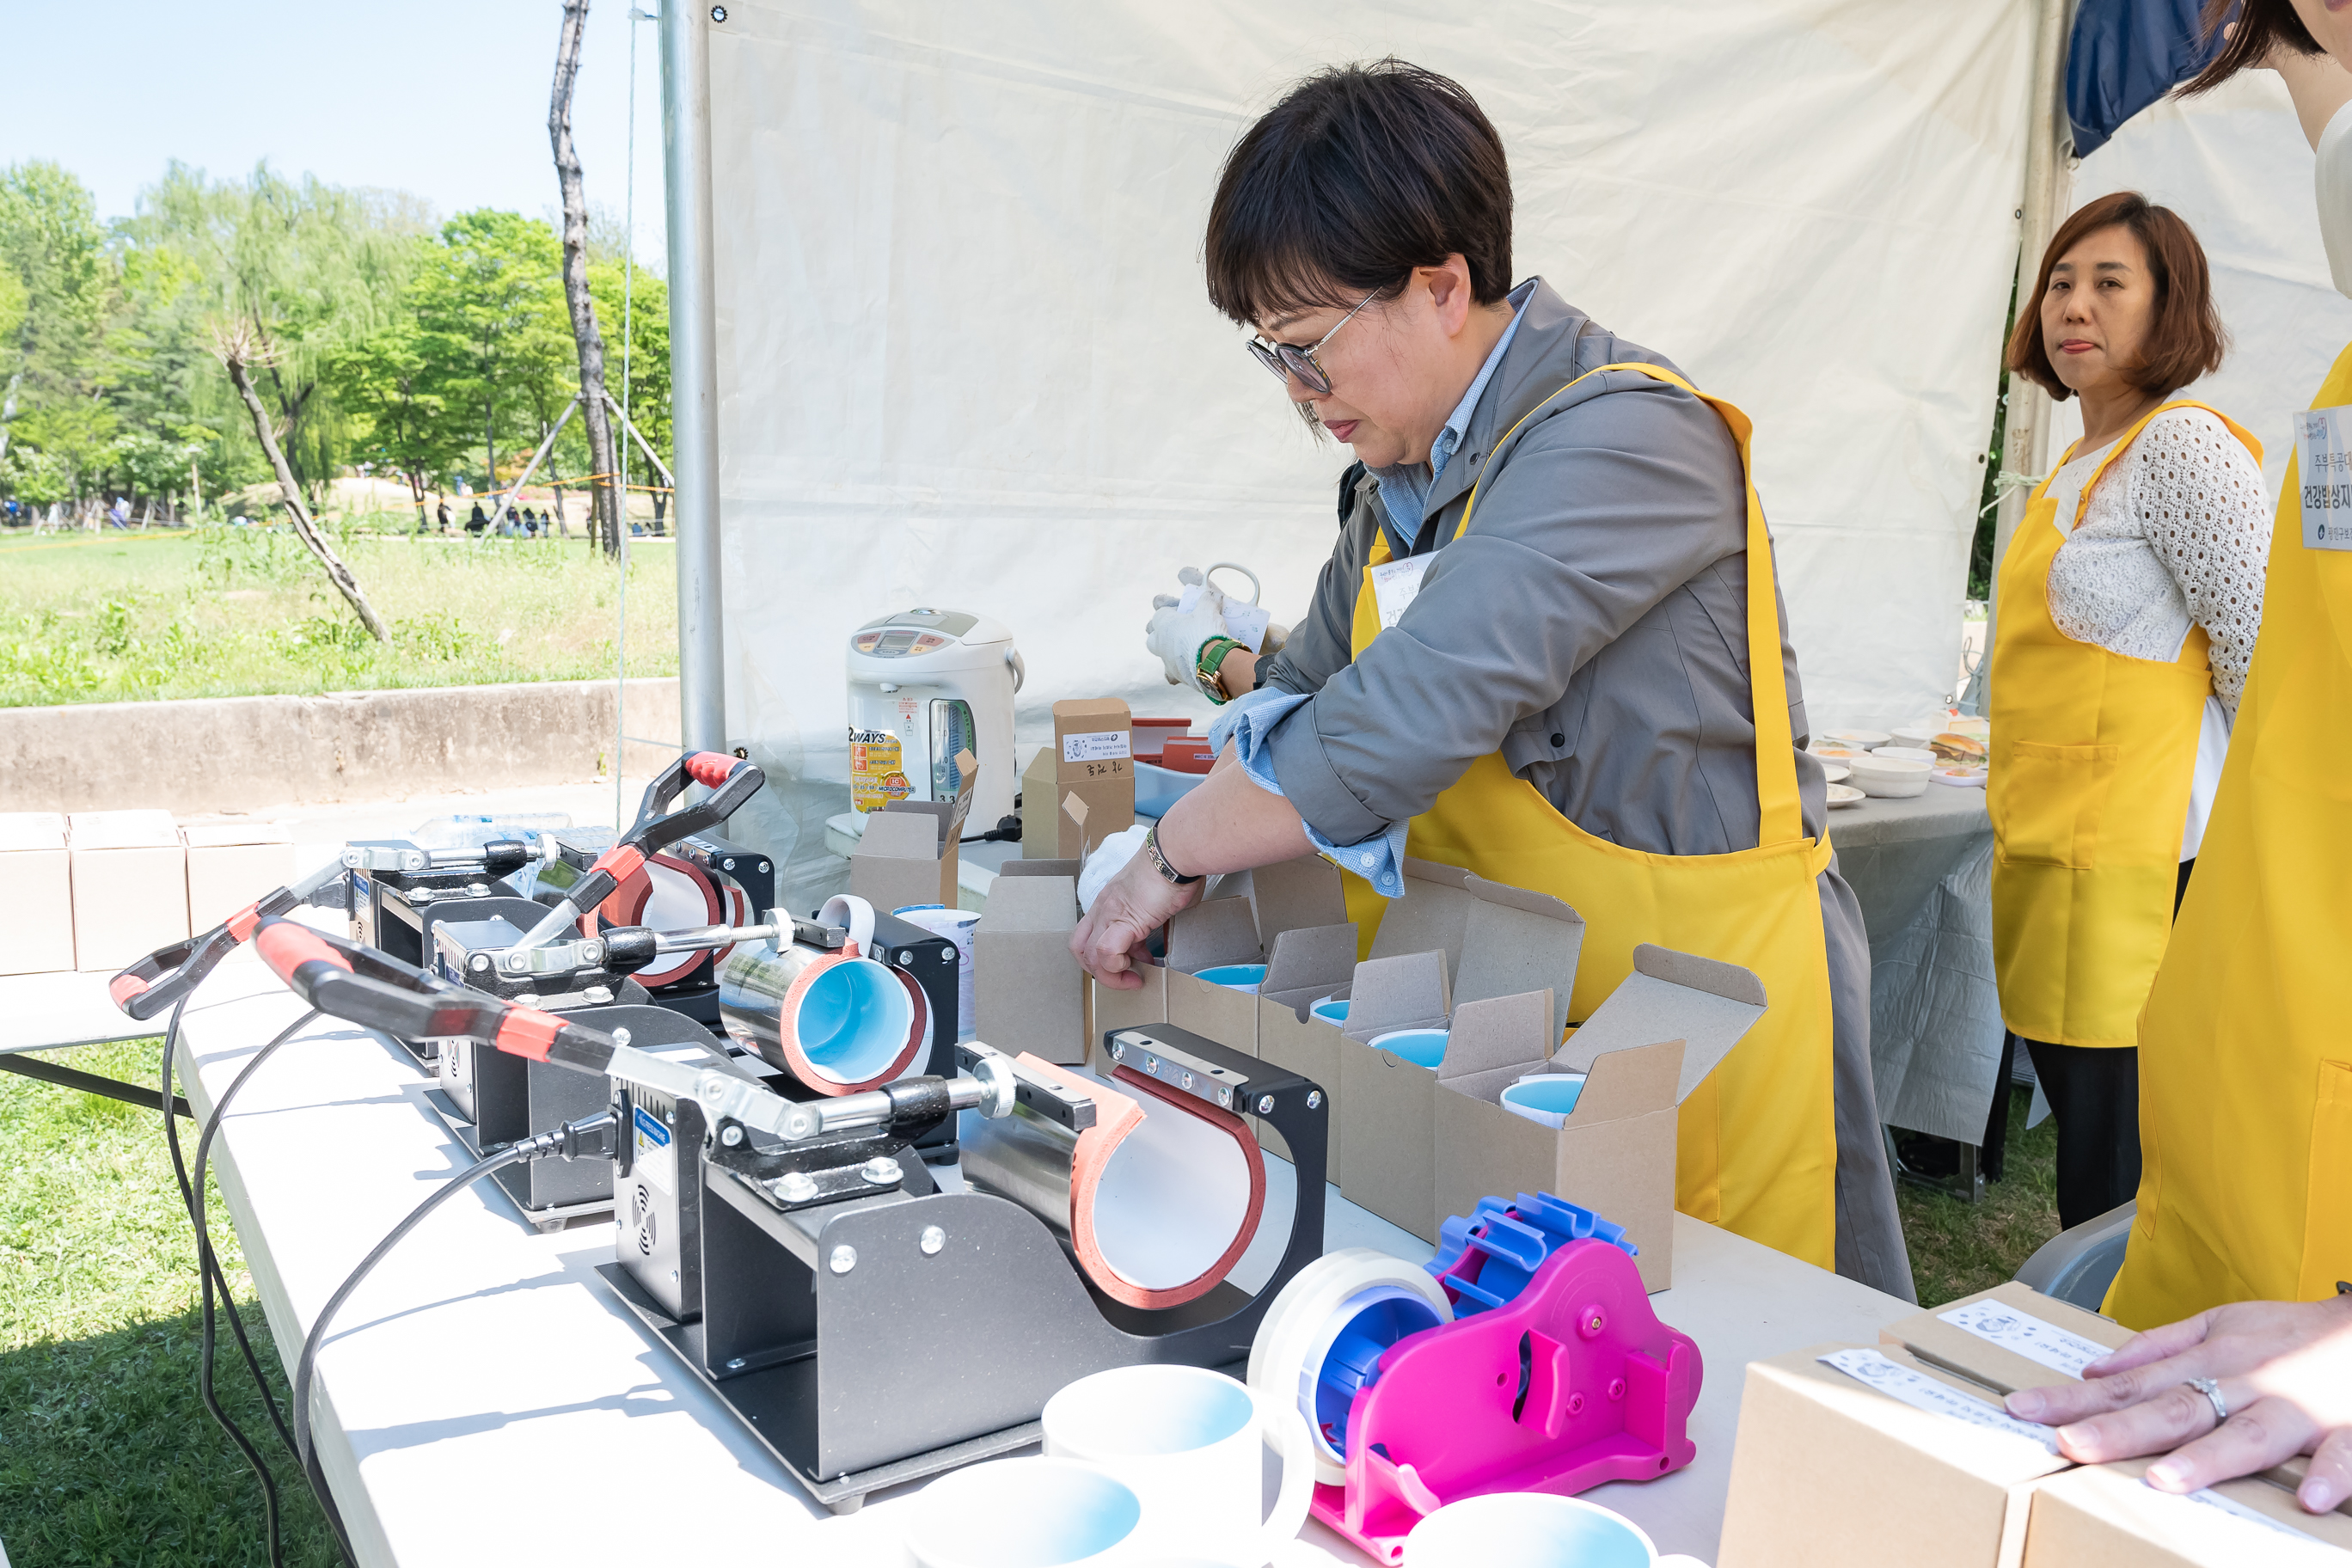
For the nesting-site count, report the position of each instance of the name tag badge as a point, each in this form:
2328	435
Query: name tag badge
2324	466
1395	583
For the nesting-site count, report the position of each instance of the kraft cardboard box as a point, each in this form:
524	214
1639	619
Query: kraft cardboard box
1828	1472
1028	991
909	852
2106	1516
1080	790
1645	1047
37	932
231	864
1453	937
130	885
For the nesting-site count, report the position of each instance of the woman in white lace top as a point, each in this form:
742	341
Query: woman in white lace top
2130	597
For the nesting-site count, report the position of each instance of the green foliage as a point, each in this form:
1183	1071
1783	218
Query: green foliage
1957	1250
393	347
227	612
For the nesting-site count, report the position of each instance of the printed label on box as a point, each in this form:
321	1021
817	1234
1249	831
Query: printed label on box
1921	1392
1095	746
2027	1336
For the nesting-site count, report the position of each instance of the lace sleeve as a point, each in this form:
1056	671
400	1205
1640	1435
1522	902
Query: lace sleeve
2199	493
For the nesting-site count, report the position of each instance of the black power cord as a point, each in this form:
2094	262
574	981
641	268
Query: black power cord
212	1279
591	1136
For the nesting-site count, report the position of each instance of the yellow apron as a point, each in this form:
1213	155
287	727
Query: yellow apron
1758	1147
2093	754
2245	1059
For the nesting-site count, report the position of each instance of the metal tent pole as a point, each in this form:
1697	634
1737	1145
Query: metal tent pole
2041	206
694	371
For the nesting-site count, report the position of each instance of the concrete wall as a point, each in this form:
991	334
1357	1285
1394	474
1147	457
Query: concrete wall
233	753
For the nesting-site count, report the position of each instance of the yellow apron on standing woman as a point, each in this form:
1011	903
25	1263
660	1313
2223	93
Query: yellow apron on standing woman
2245	1055
2093	755
1758	1149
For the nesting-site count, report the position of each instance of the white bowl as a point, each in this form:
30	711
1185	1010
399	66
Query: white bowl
1863	740
1960	778
1907	753
1844	794
1891	778
1836	772
1918	734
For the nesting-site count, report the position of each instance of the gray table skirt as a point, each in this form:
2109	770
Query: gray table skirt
1922	871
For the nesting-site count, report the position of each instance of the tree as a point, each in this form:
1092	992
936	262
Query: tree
309	268
385	380
53	251
603	494
241	348
489	319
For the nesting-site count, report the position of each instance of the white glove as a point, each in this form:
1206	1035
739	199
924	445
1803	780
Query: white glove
1178	625
1109	859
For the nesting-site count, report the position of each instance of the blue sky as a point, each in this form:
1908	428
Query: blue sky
446	99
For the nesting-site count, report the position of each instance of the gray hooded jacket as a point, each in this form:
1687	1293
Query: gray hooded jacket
1591	628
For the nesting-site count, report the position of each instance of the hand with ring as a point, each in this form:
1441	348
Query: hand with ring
2227	1393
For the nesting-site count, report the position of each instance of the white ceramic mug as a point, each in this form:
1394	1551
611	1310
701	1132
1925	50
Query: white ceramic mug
1026	1513
1548	1098
1532	1529
1186	1440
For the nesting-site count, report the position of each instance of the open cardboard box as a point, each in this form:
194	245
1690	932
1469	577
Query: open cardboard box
1645	1047
1080	790
1453	940
2106	1516
1028	991
36	924
1828	1472
908	853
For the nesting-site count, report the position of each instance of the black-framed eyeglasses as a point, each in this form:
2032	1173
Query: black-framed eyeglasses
1286	360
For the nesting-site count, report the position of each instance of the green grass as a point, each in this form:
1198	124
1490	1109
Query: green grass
221	612
1956	1249
107	1456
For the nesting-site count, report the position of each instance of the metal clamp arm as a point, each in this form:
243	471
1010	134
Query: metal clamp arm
173	970
732	781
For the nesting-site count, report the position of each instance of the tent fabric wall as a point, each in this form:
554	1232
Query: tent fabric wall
2234	163
966	359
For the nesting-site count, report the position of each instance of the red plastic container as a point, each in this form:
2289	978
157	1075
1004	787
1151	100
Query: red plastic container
1148	734
1186	754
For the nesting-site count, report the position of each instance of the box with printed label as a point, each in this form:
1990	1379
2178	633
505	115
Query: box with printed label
1650	1042
2009	1337
1872	1457
1080	790
2107	1515
231	864
36	927
130	885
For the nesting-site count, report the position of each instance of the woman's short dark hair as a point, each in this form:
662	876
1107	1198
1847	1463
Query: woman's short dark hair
2259	24
1360	175
2185	339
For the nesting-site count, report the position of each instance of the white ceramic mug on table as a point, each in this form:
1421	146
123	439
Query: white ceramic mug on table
1532	1529
1187	1441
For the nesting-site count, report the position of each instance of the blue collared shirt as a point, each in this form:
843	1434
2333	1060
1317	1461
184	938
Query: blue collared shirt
1250	719
1405	487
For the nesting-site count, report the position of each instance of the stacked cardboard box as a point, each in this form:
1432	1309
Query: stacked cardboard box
231	864
130	885
35	894
1080	790
1834	1468
1028	991
909	851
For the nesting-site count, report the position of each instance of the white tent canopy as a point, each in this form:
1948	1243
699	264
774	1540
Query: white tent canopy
965	357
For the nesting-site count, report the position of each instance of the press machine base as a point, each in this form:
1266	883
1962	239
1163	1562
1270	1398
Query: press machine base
848	1336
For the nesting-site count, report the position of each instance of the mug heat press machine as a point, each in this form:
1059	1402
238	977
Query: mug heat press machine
1083	1241
695	881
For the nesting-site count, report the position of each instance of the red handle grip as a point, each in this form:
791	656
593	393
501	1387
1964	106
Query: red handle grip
711	768
286	947
622	861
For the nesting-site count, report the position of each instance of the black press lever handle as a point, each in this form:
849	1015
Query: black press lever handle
172	971
731	780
